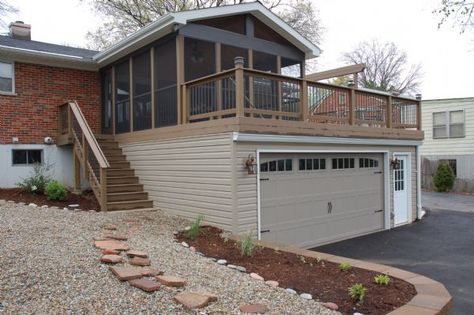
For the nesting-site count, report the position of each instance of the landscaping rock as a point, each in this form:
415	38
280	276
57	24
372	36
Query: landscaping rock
111	259
2	201
75	205
241	269
185	244
212	259
306	296
272	283
145	285
44	206
291	291
192	300
254	309
110	252
118	237
34	205
331	306
187	228
126	273
256	276
139	261
222	262
111	244
137	253
199	254
65	208
192	248
172	281
232	266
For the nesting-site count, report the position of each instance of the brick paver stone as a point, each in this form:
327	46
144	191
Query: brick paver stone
137	253
145	284
126	273
111	259
110	252
254	309
192	300
111	244
150	272
119	237
171	281
139	261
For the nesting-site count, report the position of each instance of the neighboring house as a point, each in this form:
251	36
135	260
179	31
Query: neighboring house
449	137
185	123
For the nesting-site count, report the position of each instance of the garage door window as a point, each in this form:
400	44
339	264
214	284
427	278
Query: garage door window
368	163
282	165
342	163
312	164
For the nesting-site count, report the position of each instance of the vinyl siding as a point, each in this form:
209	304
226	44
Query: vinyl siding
456	146
187	176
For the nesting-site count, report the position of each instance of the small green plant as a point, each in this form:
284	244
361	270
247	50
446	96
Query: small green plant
357	292
382	279
195	229
55	191
443	178
38	179
345	266
246	244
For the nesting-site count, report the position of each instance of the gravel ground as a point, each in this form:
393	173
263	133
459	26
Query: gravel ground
50	266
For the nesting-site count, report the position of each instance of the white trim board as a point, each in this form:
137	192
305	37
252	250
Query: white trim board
408	155
252	137
387	191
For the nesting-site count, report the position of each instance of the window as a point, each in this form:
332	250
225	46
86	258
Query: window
122	97
312	164
342	163
7	80
282	165
26	157
141	78
166	110
366	163
449	124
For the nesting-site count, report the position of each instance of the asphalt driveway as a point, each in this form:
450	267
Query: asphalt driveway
441	246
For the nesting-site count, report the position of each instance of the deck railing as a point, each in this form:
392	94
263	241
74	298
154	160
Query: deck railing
251	93
87	151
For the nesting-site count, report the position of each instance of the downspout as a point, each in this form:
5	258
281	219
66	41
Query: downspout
420	211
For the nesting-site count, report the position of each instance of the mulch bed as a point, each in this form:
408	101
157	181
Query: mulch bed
86	201
321	279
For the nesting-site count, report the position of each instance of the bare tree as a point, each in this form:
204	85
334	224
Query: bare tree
5	9
123	17
460	12
387	67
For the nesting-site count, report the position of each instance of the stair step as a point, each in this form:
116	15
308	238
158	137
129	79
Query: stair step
108	145
128	205
102	136
112	151
115	172
116	158
119	164
124	188
127	196
114	180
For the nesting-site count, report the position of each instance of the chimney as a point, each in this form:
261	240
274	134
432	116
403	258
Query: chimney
20	30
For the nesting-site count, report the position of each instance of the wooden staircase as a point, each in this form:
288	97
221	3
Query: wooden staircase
124	192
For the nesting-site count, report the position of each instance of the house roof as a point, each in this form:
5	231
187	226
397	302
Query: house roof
173	21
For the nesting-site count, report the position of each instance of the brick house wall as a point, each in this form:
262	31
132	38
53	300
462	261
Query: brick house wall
32	114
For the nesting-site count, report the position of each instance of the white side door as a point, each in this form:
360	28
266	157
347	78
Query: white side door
400	196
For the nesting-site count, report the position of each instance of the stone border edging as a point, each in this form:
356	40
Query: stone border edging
432	297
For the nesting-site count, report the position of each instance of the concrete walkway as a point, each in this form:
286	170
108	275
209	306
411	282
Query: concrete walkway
447	201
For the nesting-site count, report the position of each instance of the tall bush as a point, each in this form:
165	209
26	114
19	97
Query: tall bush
443	178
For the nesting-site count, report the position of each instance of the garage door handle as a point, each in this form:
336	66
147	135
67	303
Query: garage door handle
262	179
264	231
378	210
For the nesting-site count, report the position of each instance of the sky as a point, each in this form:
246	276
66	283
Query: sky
447	57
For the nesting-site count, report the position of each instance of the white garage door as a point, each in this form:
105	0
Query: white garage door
313	199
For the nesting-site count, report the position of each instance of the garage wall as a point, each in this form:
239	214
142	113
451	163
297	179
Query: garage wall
247	184
187	176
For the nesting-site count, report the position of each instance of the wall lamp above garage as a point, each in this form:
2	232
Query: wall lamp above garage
251	165
394	164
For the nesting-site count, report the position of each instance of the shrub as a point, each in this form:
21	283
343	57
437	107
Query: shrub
55	191
382	279
37	181
195	229
246	244
345	266
443	178
357	292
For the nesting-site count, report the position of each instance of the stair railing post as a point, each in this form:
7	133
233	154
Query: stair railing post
85	154
103	189
389	112
304	100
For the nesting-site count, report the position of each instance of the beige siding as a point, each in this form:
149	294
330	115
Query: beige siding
187	176
247	184
457	146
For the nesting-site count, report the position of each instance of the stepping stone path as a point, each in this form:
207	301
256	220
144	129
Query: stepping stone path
150	272
137	253
145	285
111	259
110	252
111	244
126	273
254	309
119	237
139	261
172	281
192	300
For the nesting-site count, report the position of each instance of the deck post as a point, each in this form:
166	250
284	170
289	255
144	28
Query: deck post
418	111
239	86
352	106
389	112
304	100
69	122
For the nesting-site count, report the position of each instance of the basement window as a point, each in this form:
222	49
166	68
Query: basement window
7	77
27	157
